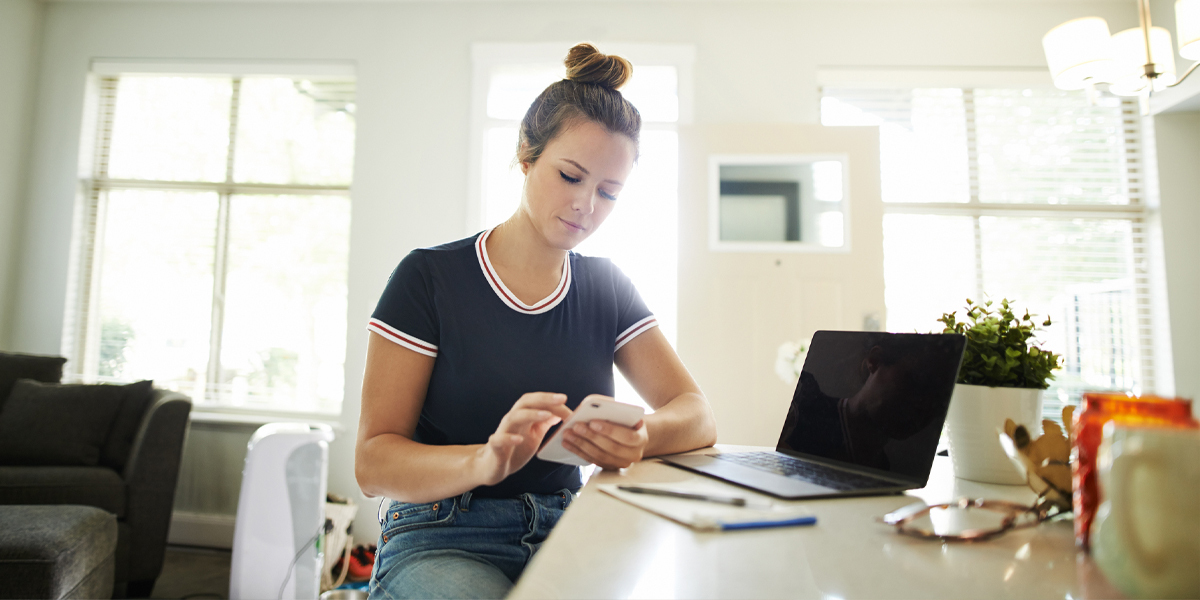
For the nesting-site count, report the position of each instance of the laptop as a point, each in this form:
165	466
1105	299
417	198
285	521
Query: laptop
865	419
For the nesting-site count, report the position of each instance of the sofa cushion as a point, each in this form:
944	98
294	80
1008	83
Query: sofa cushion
47	369
116	449
49	424
56	552
90	486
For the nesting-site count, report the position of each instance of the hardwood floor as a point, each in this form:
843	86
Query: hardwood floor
190	572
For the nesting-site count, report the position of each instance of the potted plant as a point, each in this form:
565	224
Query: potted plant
1003	376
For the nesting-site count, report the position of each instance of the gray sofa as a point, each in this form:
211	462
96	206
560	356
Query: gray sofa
57	552
140	491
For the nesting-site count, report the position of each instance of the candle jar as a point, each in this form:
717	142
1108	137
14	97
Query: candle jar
1098	409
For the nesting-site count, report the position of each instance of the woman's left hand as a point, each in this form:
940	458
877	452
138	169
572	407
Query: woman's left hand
608	445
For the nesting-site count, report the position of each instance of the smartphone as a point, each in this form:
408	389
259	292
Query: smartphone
592	408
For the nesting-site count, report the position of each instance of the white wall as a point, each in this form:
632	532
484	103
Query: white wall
755	62
1178	146
20	32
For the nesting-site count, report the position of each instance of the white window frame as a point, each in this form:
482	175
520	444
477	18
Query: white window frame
80	321
485	57
1157	373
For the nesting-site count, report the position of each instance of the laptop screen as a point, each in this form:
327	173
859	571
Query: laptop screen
875	400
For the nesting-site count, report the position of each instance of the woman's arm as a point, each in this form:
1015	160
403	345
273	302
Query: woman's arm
682	418
387	462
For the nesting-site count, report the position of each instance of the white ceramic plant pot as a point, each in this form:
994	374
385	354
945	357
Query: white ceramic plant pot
977	414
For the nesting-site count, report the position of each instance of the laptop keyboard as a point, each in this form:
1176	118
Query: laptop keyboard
782	464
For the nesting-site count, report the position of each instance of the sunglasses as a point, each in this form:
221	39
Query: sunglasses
960	520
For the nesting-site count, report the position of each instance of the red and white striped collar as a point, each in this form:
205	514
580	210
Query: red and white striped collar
505	294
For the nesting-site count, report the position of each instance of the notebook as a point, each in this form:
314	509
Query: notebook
758	513
864	420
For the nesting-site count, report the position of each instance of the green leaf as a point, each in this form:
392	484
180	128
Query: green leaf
999	348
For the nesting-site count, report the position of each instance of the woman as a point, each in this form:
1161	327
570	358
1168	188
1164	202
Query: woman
478	347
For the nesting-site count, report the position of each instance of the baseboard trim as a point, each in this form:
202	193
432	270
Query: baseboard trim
201	529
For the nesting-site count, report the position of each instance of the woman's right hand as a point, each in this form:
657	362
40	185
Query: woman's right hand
520	434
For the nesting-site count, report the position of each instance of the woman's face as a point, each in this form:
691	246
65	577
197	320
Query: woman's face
574	184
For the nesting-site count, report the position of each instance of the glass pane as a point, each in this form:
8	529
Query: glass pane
1080	273
156	278
170	128
1049	147
753	218
502	180
928	269
831	227
827	180
514	87
922	139
654	91
284	338
295	131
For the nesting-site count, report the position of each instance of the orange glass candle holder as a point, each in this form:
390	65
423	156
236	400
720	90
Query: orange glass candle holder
1098	409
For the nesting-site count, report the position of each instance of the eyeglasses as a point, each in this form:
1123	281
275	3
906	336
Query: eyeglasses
962	521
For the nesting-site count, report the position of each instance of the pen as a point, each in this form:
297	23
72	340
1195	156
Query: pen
703	497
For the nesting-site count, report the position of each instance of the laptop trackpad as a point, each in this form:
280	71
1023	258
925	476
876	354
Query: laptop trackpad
770	483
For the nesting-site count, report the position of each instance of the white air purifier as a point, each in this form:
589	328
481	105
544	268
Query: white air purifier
281	513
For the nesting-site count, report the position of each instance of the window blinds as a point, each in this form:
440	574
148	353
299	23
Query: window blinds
1026	194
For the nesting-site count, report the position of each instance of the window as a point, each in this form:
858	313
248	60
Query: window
212	237
640	236
1030	194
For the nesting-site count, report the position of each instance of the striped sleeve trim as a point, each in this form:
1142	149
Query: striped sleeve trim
635	330
395	335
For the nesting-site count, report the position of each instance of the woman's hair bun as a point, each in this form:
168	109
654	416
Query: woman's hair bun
586	64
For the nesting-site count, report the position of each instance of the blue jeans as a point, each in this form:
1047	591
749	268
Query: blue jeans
461	547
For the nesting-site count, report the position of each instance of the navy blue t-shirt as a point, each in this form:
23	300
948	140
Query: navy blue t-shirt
490	348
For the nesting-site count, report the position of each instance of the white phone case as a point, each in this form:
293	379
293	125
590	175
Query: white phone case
590	409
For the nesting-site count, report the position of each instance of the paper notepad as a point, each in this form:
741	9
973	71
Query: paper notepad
711	516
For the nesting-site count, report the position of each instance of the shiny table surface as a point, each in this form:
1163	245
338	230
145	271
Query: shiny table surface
605	548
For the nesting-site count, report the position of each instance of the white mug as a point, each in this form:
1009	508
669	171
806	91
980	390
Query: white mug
1146	537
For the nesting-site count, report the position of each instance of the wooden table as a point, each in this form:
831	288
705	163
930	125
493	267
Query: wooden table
605	548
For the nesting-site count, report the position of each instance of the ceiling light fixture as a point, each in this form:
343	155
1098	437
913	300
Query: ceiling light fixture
1134	62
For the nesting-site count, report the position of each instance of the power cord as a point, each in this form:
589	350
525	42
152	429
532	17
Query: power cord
325	527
